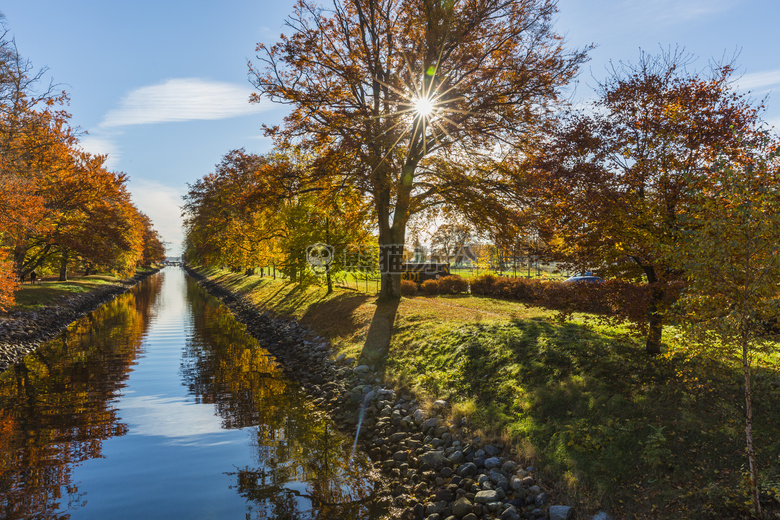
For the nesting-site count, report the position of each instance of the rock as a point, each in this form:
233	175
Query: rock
601	515
400	456
541	499
433	422
510	513
493	451
440	404
509	467
435	508
462	507
468	469
432	460
561	513
457	457
418	416
361	370
492	462
470	516
486	496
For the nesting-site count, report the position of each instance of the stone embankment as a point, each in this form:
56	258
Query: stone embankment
22	332
429	473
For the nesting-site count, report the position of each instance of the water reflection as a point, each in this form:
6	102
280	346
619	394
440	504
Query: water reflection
303	469
160	406
56	409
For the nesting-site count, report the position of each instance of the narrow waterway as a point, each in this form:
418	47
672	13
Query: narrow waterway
158	405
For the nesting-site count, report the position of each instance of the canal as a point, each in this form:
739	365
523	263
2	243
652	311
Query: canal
159	405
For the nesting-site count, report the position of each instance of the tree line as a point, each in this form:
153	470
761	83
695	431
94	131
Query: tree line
61	208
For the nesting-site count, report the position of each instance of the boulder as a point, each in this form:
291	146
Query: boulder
486	496
561	513
432	460
462	507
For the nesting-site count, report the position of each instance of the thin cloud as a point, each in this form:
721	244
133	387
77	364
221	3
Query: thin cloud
161	203
182	99
674	11
759	80
97	144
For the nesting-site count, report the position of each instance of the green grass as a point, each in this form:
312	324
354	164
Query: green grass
610	427
31	297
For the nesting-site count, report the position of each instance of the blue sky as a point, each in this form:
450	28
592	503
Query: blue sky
161	86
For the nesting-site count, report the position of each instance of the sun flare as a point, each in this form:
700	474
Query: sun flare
424	106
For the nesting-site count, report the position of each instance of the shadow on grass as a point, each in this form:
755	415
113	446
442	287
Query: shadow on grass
334	316
380	332
618	428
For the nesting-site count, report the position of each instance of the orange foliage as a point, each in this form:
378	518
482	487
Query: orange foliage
8	282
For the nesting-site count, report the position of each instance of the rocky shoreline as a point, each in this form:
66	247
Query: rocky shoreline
428	472
23	332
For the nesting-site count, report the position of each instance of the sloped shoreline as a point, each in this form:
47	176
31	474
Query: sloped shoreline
25	331
427	472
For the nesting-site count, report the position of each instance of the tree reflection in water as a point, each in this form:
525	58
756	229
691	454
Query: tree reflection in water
303	469
56	410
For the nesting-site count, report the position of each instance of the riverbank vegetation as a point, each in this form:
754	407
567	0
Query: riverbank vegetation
49	292
61	208
641	437
409	115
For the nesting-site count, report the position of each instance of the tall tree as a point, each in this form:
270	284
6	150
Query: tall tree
449	241
416	103
729	253
612	182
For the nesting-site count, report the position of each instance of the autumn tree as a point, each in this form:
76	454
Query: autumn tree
153	251
228	214
57	202
450	239
25	110
252	211
728	250
613	181
416	103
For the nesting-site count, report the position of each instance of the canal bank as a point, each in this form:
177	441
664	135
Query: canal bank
22	332
430	473
159	405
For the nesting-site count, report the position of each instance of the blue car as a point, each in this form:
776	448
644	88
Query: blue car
585	279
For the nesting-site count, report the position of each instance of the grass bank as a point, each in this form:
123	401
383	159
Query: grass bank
610	427
49	291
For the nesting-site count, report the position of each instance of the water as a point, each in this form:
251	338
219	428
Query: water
158	405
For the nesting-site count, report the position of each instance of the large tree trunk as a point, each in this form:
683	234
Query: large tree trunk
392	237
64	267
654	318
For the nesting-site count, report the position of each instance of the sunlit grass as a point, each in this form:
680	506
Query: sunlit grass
610	427
34	296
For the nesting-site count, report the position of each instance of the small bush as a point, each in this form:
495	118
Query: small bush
452	284
483	285
430	287
408	288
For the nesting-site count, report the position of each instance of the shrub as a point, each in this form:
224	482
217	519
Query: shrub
408	288
430	287
452	284
483	285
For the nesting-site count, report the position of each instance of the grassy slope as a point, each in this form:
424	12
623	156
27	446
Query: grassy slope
642	437
30	297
